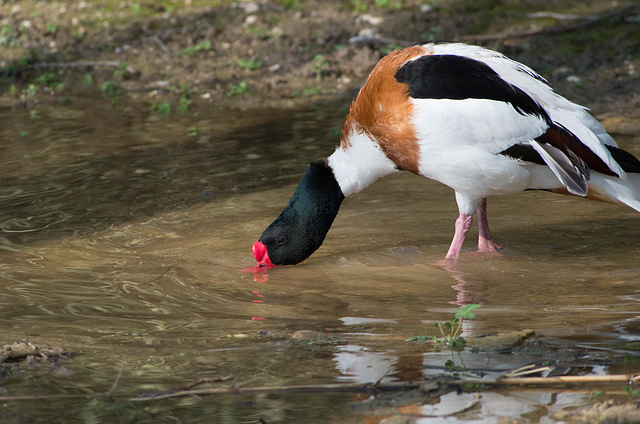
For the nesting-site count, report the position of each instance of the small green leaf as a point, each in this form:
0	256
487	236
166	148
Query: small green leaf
465	311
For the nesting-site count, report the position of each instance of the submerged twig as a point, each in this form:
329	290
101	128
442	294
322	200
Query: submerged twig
82	64
43	397
369	388
115	383
526	370
562	16
356	387
207	380
161	276
161	44
542	381
373	388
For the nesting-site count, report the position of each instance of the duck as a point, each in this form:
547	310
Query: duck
468	117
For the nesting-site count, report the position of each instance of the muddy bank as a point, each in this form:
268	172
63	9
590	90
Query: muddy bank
171	55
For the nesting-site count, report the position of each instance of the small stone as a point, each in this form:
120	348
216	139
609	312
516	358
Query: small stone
370	19
250	7
309	336
366	33
500	342
562	70
304	335
429	386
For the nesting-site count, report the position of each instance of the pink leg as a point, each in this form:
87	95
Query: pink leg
463	224
485	241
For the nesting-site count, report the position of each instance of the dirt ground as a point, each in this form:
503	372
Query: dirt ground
171	54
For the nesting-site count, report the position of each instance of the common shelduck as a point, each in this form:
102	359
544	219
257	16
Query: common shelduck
466	116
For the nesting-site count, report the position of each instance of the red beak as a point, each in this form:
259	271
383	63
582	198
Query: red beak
261	255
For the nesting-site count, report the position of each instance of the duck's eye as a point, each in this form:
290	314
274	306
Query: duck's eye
282	241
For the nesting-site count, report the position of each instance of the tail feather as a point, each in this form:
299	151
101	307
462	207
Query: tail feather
611	189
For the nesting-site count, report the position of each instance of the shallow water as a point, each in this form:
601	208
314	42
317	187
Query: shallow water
121	237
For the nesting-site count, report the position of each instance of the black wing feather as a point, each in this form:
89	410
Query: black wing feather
458	78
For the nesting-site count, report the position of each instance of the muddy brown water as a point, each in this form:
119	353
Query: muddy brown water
121	237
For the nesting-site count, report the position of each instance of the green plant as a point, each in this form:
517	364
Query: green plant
289	4
316	340
311	91
259	32
248	64
45	78
163	109
595	393
6	36
632	392
238	89
190	51
6	30
51	28
471	388
388	4
450	337
111	90
359	5
121	71
30	91
48	79
183	107
135	8
319	65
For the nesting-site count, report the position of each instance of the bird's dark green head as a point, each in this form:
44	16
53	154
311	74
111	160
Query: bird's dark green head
303	224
